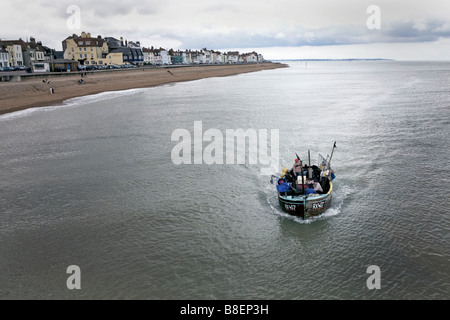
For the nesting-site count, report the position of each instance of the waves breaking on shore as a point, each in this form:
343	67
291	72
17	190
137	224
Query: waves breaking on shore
73	102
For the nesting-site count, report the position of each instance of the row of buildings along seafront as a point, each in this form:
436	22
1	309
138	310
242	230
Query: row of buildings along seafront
86	51
20	53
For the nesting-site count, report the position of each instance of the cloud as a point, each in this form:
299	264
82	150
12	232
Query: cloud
231	23
109	9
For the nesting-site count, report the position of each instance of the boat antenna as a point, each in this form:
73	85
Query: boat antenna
303	179
332	151
309	165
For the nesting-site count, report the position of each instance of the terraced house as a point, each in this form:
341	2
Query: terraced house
34	53
15	49
4	57
131	52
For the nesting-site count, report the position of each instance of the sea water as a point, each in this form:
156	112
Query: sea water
91	183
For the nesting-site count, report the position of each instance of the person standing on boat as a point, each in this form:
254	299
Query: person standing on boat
298	168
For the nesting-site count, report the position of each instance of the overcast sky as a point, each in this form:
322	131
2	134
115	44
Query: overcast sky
304	29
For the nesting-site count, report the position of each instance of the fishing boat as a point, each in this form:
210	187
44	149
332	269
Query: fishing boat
306	190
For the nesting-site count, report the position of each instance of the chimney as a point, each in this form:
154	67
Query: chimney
121	41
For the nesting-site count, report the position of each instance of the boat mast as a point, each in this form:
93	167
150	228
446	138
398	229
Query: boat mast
303	180
309	165
303	184
332	151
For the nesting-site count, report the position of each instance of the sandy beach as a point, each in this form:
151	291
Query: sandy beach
33	92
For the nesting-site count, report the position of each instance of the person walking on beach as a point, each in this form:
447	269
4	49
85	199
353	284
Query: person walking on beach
52	91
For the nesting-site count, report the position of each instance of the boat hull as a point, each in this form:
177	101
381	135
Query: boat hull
305	207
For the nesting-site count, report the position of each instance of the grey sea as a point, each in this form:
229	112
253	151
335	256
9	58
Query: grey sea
92	183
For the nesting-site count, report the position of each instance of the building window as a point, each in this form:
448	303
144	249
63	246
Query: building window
84	49
81	56
88	43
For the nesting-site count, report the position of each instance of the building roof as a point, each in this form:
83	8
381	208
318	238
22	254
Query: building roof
32	44
113	43
89	42
86	40
132	54
127	50
19	42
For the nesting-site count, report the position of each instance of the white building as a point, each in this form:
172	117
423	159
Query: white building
17	55
218	57
14	49
41	67
195	57
251	57
35	52
149	56
158	58
165	57
4	57
233	57
207	57
185	58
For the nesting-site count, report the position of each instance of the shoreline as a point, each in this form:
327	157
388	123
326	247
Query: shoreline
33	92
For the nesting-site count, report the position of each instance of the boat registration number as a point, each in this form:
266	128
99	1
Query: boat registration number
290	207
318	205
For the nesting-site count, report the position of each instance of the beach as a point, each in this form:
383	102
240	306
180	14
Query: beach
34	91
